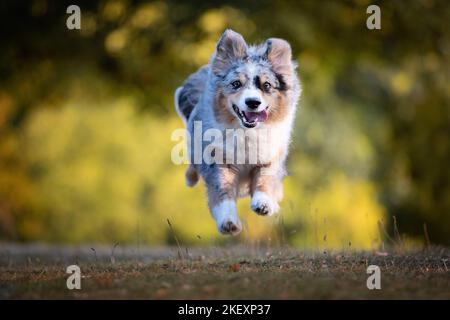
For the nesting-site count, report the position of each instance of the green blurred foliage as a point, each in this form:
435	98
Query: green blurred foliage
86	118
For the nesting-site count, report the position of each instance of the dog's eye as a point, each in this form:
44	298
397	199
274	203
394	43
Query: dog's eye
267	86
236	84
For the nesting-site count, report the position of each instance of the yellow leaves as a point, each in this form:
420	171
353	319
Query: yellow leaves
197	53
401	83
89	24
308	62
116	40
113	10
213	21
148	14
431	62
145	16
316	135
31	228
100	165
344	210
6	107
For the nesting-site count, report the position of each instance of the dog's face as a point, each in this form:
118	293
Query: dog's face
253	83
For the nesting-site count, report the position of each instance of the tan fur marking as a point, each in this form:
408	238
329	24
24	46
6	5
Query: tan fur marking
279	107
221	111
268	184
264	178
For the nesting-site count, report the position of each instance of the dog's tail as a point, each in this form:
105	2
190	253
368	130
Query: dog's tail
187	96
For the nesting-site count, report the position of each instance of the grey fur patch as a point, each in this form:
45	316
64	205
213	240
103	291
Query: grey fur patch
191	92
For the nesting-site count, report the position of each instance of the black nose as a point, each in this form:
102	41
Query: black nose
252	103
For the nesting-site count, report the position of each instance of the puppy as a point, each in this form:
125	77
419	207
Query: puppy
245	92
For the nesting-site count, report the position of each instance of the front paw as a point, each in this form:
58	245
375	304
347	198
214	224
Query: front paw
230	227
263	204
225	214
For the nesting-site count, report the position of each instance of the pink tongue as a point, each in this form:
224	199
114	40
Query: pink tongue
256	116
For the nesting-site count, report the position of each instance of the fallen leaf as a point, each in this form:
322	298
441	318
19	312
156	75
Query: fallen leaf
234	267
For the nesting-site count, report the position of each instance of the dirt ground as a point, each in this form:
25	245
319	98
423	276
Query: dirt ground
238	272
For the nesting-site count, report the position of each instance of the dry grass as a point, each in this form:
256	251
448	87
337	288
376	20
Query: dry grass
38	272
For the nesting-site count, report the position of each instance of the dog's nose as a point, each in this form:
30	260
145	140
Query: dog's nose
252	103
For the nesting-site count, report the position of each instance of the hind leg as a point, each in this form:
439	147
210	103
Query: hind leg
191	176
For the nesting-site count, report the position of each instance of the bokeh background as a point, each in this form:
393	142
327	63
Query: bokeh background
86	118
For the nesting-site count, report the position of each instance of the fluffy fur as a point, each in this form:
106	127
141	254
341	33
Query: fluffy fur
252	88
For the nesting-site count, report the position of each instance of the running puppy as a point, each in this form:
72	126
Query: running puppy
252	90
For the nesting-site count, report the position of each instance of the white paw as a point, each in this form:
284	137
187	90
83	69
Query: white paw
263	204
227	220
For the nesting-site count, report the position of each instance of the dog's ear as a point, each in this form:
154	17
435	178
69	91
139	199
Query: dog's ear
230	48
279	54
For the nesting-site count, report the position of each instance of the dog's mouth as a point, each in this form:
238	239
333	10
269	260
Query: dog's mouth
251	119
